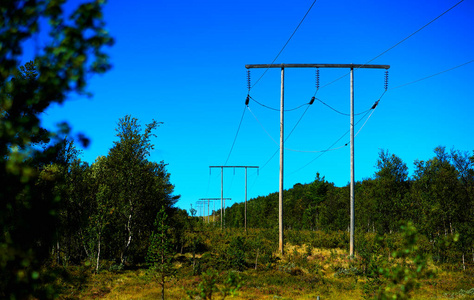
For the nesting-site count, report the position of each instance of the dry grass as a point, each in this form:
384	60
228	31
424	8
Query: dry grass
301	274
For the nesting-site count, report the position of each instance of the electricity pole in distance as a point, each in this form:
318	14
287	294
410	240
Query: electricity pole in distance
345	66
212	199
222	188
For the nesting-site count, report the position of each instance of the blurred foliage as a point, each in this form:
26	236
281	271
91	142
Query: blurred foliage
402	278
71	49
211	283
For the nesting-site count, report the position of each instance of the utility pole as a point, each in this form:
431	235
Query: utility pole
351	234
202	209
282	151
212	199
348	66
222	188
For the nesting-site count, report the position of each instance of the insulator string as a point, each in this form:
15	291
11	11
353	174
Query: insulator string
317	78
248	81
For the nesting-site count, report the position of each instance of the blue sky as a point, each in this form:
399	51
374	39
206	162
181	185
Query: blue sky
183	63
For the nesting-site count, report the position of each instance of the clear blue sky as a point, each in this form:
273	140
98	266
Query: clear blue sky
183	63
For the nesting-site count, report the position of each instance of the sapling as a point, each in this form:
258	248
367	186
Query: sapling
161	251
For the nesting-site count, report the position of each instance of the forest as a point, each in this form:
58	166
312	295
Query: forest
112	228
437	199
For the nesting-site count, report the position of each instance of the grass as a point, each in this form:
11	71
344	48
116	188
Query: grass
303	273
314	264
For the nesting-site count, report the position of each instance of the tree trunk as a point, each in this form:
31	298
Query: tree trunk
162	286
58	255
256	260
162	263
129	230
98	256
194	260
463	263
83	243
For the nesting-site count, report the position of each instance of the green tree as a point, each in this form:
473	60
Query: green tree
390	192
67	176
102	210
436	193
366	205
72	52
139	186
193	238
160	252
442	192
317	194
464	164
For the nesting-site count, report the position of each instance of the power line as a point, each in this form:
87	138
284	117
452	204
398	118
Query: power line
420	29
277	109
316	151
373	110
299	120
276	57
436	74
339	112
235	138
398	43
330	148
380	98
294	127
262	126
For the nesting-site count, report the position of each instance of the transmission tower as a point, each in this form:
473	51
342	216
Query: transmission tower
222	189
345	66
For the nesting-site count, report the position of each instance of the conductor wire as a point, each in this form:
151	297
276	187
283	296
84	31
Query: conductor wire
398	43
261	125
235	138
328	149
296	29
277	109
436	74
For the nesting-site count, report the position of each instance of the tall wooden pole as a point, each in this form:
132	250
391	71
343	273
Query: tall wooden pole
245	199
351	244
280	198
214	205
222	191
222	196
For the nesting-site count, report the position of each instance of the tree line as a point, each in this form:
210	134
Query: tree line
107	209
438	199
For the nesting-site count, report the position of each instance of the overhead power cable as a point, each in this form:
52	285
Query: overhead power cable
330	148
277	109
420	29
287	137
373	110
433	75
339	112
400	42
261	125
235	138
296	29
